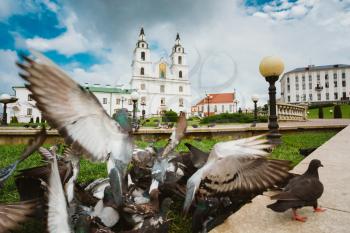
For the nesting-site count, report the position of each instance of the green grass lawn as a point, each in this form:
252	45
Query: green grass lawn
327	114
289	150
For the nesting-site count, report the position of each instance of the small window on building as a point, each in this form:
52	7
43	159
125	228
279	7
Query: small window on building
222	108
130	101
288	88
30	97
180	74
29	111
288	99
104	100
142	71
335	95
318	77
335	75
327	96
297	87
335	84
326	76
162	89
310	97
327	84
304	97
287	79
143	86
310	78
143	100
344	95
230	107
297	98
179	60
296	79
142	45
117	101
318	96
181	102
143	56
215	108
180	89
310	86
304	86
343	75
343	83
162	101
303	78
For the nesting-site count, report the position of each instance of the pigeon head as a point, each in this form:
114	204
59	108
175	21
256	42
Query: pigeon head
315	163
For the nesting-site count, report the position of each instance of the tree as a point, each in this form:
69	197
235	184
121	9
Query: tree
170	116
320	112
337	111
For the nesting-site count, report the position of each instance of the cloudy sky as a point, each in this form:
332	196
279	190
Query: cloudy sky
93	40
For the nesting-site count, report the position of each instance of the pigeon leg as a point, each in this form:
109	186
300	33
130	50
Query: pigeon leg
318	209
298	217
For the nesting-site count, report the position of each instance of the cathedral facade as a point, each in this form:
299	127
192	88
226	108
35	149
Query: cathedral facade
162	85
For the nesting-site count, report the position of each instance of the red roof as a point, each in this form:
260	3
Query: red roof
218	98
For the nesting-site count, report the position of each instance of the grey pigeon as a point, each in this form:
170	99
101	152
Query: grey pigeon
198	157
301	191
236	166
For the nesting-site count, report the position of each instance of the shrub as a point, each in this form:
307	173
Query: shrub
14	120
337	111
169	116
320	112
232	118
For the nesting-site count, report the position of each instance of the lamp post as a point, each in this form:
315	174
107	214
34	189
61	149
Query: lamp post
134	97
6	99
271	68
255	99
208	97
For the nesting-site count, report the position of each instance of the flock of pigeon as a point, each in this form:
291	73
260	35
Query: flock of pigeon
142	184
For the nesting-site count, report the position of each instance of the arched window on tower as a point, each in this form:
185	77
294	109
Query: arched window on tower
143	56
179	60
142	45
142	71
180	74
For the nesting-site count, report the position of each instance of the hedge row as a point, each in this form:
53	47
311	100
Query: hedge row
232	118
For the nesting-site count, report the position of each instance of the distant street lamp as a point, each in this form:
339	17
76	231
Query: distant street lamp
6	99
134	97
208	97
255	99
271	68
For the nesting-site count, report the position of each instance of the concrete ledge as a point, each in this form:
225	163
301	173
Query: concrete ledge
335	175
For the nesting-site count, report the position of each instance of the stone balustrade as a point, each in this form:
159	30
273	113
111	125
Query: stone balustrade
291	112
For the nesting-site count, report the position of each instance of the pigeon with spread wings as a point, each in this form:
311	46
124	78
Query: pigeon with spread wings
76	113
236	166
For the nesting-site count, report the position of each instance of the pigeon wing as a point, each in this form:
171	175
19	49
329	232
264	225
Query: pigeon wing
73	110
177	134
57	215
198	157
245	174
11	215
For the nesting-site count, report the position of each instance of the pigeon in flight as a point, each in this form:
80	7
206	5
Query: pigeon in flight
237	166
301	191
77	114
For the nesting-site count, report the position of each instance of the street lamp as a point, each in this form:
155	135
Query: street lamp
134	97
208	97
6	99
271	68
255	99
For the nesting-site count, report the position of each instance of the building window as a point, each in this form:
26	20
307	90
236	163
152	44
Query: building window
162	70
318	96
318	77
215	108
179	60
162	101
288	99
143	56
288	88
130	101
327	96
327	84
310	97
344	95
304	86
30	97
343	75
142	71
335	95
303	78
180	89
162	89
304	97
310	78
296	79
297	98
287	79
297	87
117	101
143	100
104	100
222	108
143	86
326	76
29	111
142	45
335	75
180	74
335	83
230	106
343	83
310	86
181	102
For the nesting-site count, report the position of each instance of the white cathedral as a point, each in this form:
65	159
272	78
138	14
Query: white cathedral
162	85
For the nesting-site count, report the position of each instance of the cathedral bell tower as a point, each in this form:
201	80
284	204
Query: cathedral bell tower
179	66
141	64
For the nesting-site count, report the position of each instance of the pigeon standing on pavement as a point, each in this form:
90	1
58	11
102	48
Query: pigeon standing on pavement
301	191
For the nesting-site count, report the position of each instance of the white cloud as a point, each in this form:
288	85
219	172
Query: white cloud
8	71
